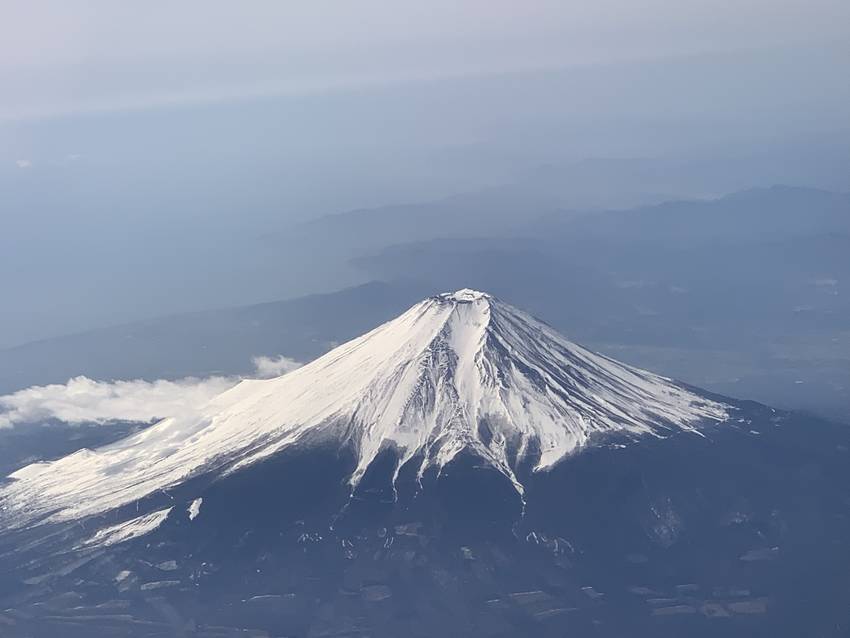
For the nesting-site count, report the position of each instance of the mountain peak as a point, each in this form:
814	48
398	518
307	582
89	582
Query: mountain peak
451	374
465	295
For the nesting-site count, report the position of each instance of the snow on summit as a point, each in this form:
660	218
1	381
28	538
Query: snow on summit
457	371
465	294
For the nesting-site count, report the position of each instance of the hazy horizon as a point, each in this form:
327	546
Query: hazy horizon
156	189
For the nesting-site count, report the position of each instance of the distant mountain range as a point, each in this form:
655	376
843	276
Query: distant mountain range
204	343
741	294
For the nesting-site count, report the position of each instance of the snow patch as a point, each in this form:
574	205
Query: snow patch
129	530
465	295
195	508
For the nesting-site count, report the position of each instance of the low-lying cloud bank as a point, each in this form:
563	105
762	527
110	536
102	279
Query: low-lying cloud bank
83	400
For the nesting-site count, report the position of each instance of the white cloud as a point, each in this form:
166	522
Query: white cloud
24	163
270	367
84	400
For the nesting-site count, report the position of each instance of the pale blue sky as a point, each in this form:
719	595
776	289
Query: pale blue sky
58	56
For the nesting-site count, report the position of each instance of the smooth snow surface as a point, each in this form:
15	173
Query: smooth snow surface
456	371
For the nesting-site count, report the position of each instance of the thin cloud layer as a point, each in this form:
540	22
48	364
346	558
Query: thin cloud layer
59	57
84	400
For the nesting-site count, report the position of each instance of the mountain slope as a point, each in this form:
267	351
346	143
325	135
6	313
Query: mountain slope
740	532
462	470
459	371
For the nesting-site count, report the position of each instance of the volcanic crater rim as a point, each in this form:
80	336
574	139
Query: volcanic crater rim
465	295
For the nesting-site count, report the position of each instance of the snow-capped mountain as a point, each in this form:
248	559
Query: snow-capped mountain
460	371
462	470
